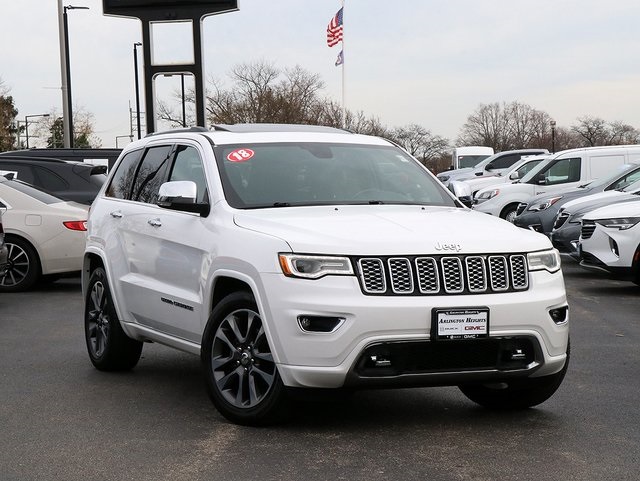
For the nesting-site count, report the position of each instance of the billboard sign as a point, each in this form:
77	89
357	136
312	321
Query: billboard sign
167	9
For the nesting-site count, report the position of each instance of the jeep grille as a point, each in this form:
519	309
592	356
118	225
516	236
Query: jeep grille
429	275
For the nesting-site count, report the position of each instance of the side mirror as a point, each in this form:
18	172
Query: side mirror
460	189
181	195
514	176
542	180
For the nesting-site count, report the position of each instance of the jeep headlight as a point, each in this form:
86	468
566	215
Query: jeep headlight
548	260
314	267
620	223
545	204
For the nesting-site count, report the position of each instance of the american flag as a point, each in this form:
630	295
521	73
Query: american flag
334	30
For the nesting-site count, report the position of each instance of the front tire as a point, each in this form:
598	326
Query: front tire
241	375
509	212
110	349
517	394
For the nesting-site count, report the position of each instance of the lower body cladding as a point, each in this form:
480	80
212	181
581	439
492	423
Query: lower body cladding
327	334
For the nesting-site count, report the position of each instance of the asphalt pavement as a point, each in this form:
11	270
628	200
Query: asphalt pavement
60	419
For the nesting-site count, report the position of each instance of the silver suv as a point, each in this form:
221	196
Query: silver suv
307	257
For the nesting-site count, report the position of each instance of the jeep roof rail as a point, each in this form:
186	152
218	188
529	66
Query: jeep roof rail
266	127
188	129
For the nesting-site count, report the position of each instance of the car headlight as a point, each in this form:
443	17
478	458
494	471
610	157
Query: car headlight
486	195
620	223
314	267
545	204
548	260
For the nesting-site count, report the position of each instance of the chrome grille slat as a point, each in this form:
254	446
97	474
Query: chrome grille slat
453	274
400	273
428	279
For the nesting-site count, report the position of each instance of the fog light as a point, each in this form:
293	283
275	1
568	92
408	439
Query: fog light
309	323
614	247
559	315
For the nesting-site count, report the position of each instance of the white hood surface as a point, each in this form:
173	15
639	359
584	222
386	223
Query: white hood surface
390	230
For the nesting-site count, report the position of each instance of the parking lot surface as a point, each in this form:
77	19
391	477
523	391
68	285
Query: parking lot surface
60	419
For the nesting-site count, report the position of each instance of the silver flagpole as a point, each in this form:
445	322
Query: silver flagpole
344	108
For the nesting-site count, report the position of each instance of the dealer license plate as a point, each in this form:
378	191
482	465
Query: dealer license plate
465	323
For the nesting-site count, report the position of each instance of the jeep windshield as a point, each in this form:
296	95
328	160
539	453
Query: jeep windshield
303	174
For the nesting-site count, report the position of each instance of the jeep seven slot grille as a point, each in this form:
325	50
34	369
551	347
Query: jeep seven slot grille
430	275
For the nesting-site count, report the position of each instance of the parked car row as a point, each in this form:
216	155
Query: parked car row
587	201
44	204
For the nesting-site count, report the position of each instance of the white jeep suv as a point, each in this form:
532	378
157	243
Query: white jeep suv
309	257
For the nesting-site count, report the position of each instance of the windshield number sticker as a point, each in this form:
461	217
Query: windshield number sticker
240	155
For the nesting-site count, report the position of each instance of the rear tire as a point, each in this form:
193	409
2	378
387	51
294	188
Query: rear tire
517	394
240	372
110	349
24	266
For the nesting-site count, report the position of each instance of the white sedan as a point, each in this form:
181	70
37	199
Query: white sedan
45	235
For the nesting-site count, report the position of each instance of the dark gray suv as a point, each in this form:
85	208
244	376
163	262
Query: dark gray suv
68	180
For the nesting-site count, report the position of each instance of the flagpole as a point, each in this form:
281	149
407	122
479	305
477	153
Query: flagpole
344	108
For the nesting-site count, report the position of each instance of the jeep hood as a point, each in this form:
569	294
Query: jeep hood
390	230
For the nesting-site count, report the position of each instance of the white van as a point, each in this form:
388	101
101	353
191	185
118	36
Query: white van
469	156
562	171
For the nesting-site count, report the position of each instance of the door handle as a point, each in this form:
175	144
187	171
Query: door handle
154	222
116	214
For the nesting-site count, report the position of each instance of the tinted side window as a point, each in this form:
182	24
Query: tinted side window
153	171
505	161
626	181
563	171
20	171
188	166
50	181
122	180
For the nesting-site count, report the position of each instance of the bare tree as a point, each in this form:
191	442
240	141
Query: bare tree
594	131
50	128
508	126
422	144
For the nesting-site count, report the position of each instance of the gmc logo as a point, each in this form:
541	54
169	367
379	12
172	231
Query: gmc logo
473	328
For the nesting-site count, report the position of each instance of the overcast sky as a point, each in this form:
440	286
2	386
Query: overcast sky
430	62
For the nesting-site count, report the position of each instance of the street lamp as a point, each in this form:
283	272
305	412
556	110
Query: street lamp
26	124
66	77
553	136
135	68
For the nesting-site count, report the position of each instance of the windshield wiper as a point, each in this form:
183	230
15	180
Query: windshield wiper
375	202
281	204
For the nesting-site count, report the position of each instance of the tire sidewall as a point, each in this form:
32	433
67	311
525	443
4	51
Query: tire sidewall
268	409
34	264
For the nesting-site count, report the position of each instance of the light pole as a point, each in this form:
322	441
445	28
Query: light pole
184	110
553	136
66	75
26	124
135	67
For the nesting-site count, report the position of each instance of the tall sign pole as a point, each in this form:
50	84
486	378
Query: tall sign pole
149	11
